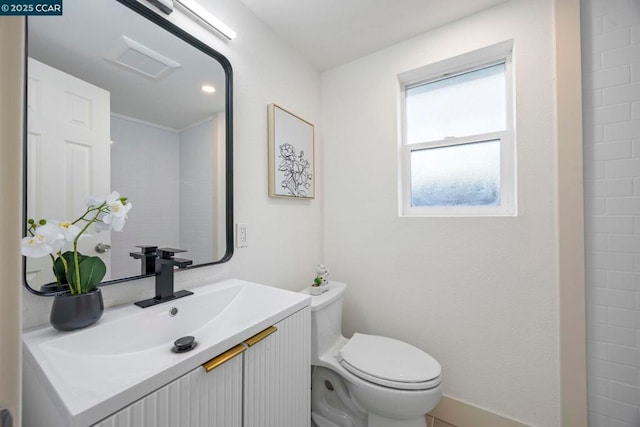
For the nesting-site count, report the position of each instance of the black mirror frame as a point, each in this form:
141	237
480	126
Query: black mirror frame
226	65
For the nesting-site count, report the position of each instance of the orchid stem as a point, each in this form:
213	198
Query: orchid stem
75	243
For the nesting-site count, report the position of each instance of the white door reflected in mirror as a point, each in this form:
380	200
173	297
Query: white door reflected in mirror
68	155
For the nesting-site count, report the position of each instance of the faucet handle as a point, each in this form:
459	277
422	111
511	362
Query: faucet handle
148	255
144	252
147	249
182	262
167	253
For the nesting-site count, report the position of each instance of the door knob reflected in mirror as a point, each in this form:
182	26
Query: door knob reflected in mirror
102	248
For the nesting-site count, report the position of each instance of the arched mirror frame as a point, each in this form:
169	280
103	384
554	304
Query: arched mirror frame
226	65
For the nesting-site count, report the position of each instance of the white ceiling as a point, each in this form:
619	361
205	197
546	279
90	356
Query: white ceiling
333	32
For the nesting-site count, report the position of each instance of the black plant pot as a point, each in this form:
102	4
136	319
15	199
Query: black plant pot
70	312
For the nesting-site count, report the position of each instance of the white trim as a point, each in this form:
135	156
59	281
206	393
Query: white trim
144	122
501	59
198	123
458	64
475	60
463	414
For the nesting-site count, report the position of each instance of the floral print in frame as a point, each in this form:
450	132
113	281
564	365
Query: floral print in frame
291	155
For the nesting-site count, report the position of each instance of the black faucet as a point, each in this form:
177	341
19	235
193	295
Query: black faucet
164	265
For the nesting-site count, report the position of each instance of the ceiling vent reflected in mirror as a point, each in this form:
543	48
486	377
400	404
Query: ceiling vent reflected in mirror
139	58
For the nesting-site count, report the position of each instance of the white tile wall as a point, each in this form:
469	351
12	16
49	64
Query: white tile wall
144	167
197	213
182	165
611	91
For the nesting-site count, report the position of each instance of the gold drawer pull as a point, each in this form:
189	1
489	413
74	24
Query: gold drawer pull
260	336
224	357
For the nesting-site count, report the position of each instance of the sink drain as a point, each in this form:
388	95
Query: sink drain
184	344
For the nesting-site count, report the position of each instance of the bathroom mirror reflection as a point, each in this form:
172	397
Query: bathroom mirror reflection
120	99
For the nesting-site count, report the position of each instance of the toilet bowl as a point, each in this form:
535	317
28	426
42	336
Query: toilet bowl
367	380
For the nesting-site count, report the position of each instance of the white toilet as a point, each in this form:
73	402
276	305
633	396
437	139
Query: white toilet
368	380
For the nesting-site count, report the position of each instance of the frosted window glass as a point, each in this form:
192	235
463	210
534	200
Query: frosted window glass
467	104
458	175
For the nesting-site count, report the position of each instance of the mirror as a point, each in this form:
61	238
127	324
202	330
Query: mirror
115	101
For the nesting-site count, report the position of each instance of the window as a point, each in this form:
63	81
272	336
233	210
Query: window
457	148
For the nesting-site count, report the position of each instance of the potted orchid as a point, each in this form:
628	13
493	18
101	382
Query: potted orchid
82	304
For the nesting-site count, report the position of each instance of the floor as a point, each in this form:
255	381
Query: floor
434	422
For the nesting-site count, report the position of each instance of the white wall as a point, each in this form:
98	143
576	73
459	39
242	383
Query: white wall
611	91
284	235
144	168
479	294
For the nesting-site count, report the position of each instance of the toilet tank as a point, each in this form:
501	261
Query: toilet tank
326	319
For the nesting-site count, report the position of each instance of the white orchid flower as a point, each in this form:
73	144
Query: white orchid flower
35	246
116	208
67	229
116	217
46	239
100	225
93	201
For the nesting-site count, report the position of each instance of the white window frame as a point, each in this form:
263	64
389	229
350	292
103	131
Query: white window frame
493	55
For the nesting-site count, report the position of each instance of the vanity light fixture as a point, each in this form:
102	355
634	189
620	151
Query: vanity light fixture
164	5
208	89
206	18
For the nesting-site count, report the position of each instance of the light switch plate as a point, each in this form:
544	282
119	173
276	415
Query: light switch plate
242	241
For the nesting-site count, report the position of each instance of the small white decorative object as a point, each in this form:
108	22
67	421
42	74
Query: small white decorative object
320	284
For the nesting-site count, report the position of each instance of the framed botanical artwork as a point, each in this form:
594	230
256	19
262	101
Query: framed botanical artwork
291	155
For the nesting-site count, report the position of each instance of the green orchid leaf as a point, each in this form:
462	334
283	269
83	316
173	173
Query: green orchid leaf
92	271
59	269
70	277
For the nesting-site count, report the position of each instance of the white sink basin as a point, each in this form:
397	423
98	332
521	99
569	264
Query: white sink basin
147	329
92	372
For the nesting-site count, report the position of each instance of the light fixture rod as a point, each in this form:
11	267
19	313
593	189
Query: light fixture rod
202	15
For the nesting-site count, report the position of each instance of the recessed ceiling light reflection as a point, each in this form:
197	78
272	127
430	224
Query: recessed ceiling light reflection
208	89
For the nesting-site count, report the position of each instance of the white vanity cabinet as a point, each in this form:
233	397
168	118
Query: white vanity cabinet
262	382
277	382
197	399
121	371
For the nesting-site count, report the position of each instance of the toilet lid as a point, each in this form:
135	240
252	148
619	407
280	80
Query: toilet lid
389	362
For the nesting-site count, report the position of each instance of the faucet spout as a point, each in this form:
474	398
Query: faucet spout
165	264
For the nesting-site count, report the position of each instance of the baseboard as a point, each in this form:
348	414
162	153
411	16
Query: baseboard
461	414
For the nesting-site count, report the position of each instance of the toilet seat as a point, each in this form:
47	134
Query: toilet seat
389	362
